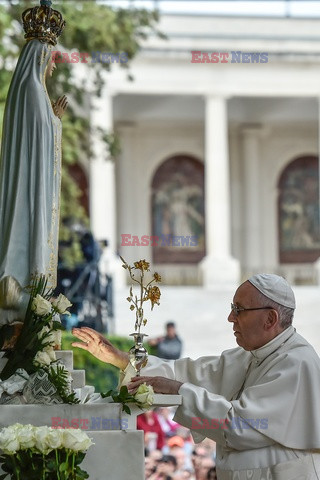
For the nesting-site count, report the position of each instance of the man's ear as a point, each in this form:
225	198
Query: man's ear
272	319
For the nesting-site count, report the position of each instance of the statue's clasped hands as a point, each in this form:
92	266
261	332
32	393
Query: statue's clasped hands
60	106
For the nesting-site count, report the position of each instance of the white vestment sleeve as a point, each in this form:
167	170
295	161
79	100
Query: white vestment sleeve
155	367
205	371
211	415
200	379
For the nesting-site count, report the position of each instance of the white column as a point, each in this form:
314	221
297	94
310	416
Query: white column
218	267
252	196
127	175
102	186
102	176
317	262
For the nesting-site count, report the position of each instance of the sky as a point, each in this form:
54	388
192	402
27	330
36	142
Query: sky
293	8
304	8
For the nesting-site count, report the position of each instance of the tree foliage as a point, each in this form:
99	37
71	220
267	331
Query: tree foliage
101	375
91	27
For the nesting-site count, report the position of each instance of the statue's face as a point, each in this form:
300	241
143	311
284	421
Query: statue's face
51	66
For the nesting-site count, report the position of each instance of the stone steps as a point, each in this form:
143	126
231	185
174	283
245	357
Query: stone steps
78	376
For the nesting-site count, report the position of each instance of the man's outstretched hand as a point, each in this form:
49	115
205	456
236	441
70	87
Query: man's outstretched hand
99	347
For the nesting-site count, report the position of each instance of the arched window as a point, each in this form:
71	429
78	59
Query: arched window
298	211
178	211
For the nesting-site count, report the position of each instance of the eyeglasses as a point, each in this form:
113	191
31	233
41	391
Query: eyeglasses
237	310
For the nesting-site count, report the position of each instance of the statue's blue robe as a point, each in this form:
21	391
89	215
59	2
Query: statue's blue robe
30	172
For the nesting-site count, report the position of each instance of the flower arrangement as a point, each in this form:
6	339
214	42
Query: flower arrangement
40	335
143	398
148	292
42	453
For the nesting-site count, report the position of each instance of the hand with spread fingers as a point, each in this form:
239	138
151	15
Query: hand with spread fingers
159	384
100	347
60	106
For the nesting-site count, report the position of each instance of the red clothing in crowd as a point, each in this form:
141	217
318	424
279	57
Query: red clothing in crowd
148	422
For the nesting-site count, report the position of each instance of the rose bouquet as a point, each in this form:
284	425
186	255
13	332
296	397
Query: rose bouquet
42	453
40	336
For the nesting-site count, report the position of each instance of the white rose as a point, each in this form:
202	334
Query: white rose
42	439
145	395
43	332
41	306
61	304
50	352
42	358
55	338
9	442
51	336
25	436
55	438
76	440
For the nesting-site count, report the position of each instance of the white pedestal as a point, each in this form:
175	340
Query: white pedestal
118	450
116	455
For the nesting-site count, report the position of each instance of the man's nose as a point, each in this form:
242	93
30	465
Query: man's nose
232	317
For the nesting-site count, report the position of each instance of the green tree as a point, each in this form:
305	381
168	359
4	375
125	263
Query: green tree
102	376
91	27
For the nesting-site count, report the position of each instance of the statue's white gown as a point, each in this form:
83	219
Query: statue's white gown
30	172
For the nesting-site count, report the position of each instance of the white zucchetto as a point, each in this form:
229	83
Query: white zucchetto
274	287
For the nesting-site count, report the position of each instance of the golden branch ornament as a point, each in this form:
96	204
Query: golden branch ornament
148	291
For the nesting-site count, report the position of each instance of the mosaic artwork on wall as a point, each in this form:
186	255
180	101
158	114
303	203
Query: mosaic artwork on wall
298	208
178	211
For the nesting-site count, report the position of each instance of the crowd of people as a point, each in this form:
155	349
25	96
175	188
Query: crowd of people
169	448
170	453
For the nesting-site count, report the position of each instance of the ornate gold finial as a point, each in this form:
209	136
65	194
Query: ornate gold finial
43	23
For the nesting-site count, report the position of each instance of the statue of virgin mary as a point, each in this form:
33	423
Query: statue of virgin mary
30	160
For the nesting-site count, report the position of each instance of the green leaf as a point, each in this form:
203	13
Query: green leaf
58	376
79	457
126	409
123	392
63	467
110	393
57	325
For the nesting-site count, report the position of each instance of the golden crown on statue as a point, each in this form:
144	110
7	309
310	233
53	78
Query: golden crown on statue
43	23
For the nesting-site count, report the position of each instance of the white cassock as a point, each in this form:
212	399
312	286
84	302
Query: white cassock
267	404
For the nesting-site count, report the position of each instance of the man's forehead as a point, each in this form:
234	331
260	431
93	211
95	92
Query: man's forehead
245	292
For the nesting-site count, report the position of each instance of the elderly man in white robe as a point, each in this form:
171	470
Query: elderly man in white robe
258	401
